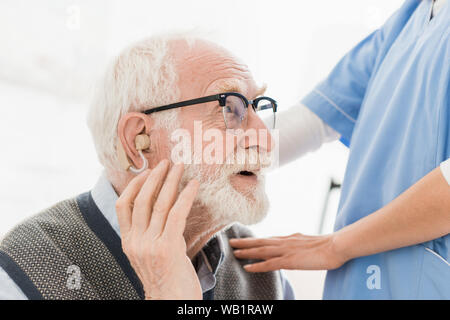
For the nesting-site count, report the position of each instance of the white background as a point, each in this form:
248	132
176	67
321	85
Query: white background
53	50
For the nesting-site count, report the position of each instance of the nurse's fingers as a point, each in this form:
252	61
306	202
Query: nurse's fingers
263	253
125	203
269	265
243	243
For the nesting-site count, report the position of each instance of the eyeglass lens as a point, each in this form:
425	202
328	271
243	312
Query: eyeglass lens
265	110
235	112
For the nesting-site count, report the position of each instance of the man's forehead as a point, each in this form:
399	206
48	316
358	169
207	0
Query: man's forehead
211	69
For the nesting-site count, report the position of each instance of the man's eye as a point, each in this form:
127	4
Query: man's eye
228	109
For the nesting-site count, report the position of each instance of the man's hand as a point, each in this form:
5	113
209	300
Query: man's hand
296	251
152	221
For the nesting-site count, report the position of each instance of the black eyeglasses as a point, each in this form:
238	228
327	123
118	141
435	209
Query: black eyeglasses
234	106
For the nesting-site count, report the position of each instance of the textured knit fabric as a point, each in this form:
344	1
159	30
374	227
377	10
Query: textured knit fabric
48	244
233	282
42	253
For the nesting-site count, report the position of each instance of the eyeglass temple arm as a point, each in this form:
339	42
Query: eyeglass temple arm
184	103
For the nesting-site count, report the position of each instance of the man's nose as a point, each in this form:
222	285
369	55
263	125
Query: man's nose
257	134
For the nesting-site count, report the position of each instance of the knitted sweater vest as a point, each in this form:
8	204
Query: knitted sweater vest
70	251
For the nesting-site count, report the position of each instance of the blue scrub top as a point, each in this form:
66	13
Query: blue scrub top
389	97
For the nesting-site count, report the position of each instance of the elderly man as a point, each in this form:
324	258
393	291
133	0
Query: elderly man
152	227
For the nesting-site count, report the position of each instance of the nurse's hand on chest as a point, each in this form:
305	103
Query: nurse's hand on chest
420	214
296	251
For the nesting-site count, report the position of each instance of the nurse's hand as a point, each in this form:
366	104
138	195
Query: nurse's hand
296	251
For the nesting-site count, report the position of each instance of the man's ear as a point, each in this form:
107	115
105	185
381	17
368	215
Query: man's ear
130	126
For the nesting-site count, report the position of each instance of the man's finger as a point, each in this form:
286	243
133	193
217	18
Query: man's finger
263	253
125	203
144	201
165	200
244	243
265	266
176	221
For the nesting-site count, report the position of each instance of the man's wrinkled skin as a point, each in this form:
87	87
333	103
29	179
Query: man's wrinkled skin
152	216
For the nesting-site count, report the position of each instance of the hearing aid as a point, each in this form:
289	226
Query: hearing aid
141	142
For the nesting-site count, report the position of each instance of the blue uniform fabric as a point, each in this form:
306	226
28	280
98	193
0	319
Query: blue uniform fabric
389	99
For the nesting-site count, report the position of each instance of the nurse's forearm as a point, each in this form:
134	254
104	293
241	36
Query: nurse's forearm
420	214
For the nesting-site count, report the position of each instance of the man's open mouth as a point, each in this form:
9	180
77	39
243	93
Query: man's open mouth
246	173
243	179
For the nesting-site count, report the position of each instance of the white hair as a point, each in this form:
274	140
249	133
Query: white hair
141	77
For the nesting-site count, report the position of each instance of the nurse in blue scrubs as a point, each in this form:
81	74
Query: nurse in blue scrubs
388	99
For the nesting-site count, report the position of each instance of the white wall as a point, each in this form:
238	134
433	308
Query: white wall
51	50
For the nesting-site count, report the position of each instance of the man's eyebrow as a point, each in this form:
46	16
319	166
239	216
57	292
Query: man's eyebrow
232	87
229	87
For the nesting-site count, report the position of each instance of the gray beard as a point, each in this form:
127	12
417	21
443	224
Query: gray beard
219	203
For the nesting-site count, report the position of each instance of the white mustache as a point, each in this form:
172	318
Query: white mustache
248	160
